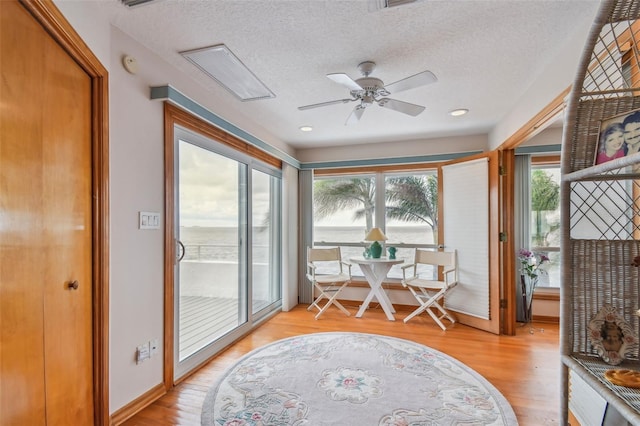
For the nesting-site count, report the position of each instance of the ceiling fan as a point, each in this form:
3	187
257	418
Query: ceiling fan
369	90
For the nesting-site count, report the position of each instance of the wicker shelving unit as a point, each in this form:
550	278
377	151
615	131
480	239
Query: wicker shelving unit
601	205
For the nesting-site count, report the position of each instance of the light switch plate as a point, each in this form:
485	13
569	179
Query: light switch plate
148	220
142	353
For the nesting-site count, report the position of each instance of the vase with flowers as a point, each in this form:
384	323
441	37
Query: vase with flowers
530	271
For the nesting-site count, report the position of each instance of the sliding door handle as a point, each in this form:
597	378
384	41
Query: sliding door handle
181	250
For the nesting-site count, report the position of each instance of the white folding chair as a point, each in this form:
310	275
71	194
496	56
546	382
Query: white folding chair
428	292
322	265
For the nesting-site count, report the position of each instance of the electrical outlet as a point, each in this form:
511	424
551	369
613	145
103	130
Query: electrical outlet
142	353
153	347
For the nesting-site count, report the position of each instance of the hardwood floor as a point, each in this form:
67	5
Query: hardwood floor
525	368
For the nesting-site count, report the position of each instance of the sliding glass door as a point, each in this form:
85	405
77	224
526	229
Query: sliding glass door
227	236
265	240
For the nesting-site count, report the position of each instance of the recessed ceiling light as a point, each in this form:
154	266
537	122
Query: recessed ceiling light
458	112
306	128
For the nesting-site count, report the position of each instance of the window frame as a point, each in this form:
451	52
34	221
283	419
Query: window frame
542	162
238	150
380	174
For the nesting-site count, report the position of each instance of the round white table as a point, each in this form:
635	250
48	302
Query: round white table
375	271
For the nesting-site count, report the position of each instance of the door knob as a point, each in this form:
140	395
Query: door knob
73	285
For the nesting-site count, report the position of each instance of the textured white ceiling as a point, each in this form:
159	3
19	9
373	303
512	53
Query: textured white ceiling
484	53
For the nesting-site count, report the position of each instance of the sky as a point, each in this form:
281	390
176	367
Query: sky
209	188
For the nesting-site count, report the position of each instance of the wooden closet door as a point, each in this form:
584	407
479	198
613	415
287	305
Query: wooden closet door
46	371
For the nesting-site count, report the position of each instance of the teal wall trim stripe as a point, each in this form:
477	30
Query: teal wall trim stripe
387	161
169	93
539	149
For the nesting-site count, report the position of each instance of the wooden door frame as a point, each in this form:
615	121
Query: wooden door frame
176	116
507	226
48	15
507	149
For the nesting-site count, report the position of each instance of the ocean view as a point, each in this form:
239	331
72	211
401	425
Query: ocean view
216	244
355	234
221	243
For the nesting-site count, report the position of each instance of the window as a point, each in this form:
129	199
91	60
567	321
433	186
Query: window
403	205
544	223
344	209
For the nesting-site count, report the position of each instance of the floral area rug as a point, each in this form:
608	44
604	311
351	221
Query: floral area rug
352	379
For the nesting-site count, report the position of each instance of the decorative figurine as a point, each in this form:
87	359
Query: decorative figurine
392	252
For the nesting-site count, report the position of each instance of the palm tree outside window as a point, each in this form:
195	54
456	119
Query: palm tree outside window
545	220
345	208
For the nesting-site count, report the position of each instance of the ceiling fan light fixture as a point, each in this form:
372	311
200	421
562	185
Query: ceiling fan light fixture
367	99
306	128
371	90
219	63
458	112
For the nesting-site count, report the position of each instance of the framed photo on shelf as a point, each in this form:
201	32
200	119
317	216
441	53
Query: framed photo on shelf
611	336
619	136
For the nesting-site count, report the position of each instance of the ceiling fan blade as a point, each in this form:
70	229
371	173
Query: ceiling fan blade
420	79
355	115
321	104
400	106
345	80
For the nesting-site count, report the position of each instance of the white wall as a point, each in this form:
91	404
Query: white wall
137	279
395	149
549	136
557	76
290	240
546	308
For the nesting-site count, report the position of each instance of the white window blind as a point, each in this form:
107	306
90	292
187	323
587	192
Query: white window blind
466	229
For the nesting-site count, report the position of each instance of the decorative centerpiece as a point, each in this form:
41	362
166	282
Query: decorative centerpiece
392	252
375	235
530	271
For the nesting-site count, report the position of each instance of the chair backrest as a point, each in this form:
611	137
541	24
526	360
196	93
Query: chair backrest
323	254
444	258
438	258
